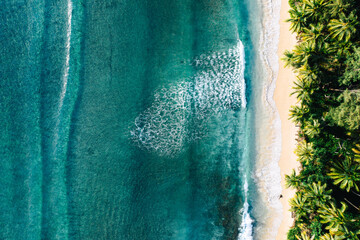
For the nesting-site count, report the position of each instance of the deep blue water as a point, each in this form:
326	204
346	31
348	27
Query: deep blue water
124	119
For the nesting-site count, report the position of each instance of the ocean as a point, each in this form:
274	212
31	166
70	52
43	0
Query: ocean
141	119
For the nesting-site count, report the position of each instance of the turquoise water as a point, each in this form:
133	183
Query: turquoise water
125	119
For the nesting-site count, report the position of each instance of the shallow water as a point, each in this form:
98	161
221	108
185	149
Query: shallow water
127	119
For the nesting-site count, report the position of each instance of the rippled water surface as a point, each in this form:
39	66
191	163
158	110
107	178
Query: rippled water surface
126	119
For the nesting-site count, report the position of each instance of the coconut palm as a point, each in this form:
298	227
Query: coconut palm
308	55
303	90
299	205
334	218
289	59
297	113
302	53
318	193
344	27
293	180
315	9
305	236
338	6
305	152
327	236
342	50
312	128
310	75
314	34
298	18
346	173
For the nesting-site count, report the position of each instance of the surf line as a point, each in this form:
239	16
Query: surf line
65	77
67	54
246	228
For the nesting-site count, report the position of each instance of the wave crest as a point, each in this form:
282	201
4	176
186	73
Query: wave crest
217	86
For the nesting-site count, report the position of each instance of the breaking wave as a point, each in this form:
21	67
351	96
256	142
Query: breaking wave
217	86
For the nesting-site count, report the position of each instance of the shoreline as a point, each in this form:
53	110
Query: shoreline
283	101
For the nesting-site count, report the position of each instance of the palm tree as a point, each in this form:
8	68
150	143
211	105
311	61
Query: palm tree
302	53
312	129
344	27
293	180
305	236
327	236
338	6
289	59
308	55
318	194
343	49
298	17
346	173
335	218
316	9
299	205
314	35
310	75
297	113
305	152
303	90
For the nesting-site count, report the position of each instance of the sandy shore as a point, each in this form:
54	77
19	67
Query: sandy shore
288	130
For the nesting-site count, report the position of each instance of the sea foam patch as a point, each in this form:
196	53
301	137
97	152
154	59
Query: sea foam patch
246	227
218	86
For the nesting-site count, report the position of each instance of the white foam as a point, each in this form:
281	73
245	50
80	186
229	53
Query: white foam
246	227
218	86
66	70
67	54
65	77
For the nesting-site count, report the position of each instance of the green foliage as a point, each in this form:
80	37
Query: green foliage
318	194
352	71
298	17
297	113
347	114
338	6
293	232
327	61
334	218
328	236
316	228
304	236
312	128
299	206
346	173
293	180
356	151
304	151
344	28
316	9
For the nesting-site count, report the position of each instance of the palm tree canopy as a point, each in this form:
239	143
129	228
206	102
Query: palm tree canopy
316	9
334	217
314	35
318	193
327	236
338	6
305	152
346	173
305	236
298	18
344	27
299	205
293	180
